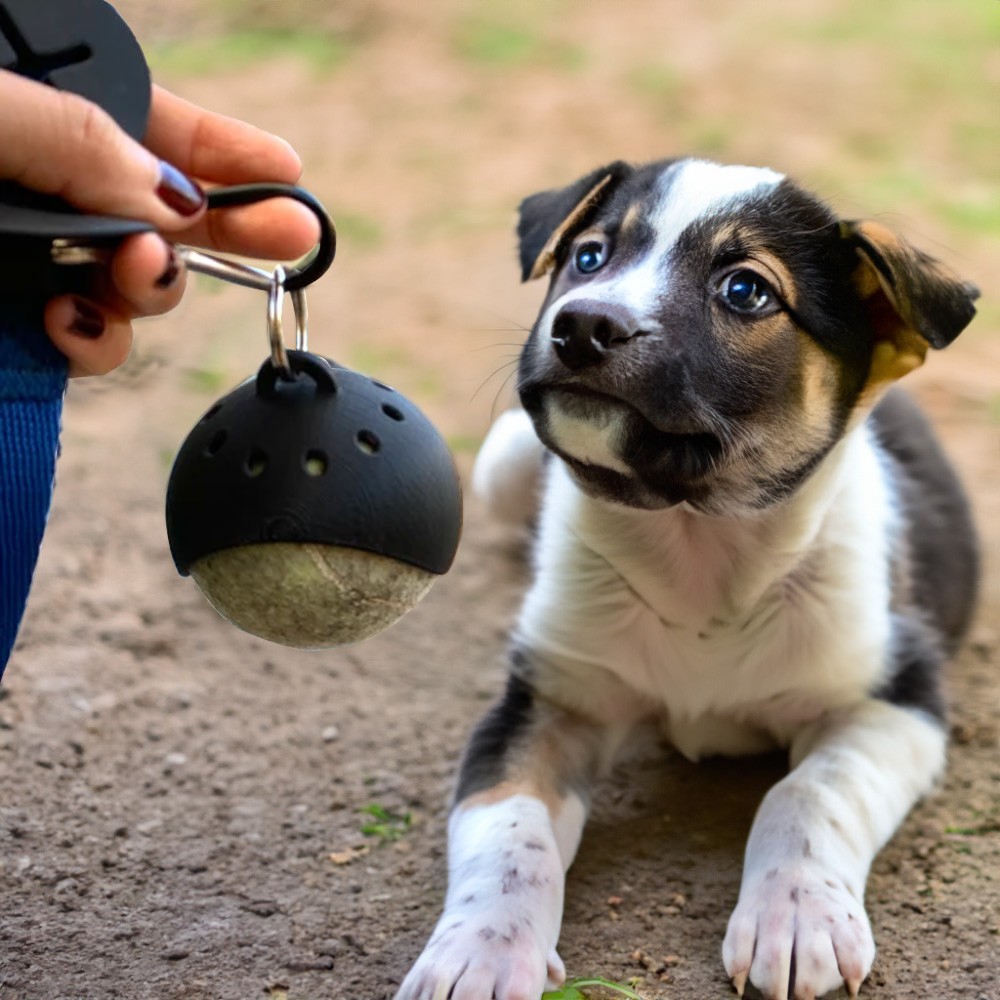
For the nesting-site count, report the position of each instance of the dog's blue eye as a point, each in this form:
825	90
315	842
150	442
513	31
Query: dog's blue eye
590	257
746	292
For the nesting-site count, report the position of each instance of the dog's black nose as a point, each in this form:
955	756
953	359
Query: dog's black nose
583	335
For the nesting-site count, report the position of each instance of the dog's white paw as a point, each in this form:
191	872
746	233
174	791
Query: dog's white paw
483	957
798	933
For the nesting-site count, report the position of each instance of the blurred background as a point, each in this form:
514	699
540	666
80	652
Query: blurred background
179	802
422	126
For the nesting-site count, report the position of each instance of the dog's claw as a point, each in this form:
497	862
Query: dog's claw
740	982
853	985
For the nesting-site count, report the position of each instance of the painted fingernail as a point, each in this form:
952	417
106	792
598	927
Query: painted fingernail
170	272
177	191
87	321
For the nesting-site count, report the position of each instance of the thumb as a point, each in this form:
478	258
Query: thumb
59	143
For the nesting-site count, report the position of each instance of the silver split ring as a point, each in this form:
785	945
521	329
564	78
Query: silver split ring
275	302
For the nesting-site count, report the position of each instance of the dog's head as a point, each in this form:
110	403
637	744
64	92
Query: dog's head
711	331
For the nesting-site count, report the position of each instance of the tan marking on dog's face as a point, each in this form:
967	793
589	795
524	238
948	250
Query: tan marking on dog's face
817	403
806	376
801	420
777	273
632	218
754	337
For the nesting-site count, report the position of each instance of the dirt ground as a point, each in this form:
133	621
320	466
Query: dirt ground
180	803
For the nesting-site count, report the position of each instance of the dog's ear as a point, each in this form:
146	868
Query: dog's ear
548	219
913	301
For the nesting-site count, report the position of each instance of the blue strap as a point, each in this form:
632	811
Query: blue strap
32	384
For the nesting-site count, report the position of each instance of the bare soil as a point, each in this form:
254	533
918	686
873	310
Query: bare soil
180	803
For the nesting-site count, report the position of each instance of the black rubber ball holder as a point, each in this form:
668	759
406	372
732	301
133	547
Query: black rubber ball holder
329	456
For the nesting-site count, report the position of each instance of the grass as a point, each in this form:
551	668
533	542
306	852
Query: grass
581	989
384	824
511	43
375	359
211	381
994	409
977	215
359	232
939	53
464	443
245	47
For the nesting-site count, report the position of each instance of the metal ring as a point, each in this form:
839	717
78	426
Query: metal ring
301	319
275	300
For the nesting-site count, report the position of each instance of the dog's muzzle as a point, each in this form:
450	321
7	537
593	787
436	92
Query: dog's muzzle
620	411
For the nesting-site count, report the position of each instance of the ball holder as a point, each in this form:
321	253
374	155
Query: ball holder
313	505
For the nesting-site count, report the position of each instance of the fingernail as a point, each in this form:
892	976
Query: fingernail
177	191
170	272
88	321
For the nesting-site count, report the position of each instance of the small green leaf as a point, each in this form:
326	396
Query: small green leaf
574	990
385	825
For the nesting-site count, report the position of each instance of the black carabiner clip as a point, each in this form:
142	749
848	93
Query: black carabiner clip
316	264
48	249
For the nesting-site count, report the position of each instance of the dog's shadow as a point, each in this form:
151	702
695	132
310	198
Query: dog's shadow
658	871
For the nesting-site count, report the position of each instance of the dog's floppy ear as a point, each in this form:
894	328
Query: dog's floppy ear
913	301
546	220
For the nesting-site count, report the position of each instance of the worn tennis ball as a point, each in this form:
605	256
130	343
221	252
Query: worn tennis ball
309	595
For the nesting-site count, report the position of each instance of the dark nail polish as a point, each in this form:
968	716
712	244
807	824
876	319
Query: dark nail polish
170	272
177	191
88	321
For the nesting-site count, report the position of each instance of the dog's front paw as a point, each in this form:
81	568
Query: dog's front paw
479	957
798	933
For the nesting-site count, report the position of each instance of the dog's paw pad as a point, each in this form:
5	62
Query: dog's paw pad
798	933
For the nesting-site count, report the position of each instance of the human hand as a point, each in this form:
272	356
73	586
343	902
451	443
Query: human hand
58	143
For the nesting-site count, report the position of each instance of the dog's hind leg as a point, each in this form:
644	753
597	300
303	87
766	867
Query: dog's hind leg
519	813
800	928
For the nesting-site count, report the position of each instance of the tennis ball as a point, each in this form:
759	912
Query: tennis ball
307	594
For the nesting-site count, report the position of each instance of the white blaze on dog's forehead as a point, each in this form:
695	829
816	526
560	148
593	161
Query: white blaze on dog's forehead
697	189
687	191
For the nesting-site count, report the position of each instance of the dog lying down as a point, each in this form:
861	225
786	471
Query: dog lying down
745	539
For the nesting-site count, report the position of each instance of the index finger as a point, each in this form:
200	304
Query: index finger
215	147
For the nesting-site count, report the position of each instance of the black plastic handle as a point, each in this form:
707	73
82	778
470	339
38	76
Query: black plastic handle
85	47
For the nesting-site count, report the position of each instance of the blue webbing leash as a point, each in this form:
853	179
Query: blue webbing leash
32	384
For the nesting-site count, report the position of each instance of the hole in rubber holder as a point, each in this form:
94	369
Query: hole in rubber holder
315	463
215	445
256	463
368	442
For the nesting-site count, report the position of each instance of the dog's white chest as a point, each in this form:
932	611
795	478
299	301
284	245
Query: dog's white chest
736	633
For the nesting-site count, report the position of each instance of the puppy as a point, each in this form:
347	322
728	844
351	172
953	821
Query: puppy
746	539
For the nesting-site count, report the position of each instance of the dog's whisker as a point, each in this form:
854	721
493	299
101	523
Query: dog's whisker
496	398
497	329
492	347
514	324
493	374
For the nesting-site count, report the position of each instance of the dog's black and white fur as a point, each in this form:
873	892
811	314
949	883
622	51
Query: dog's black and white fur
746	539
